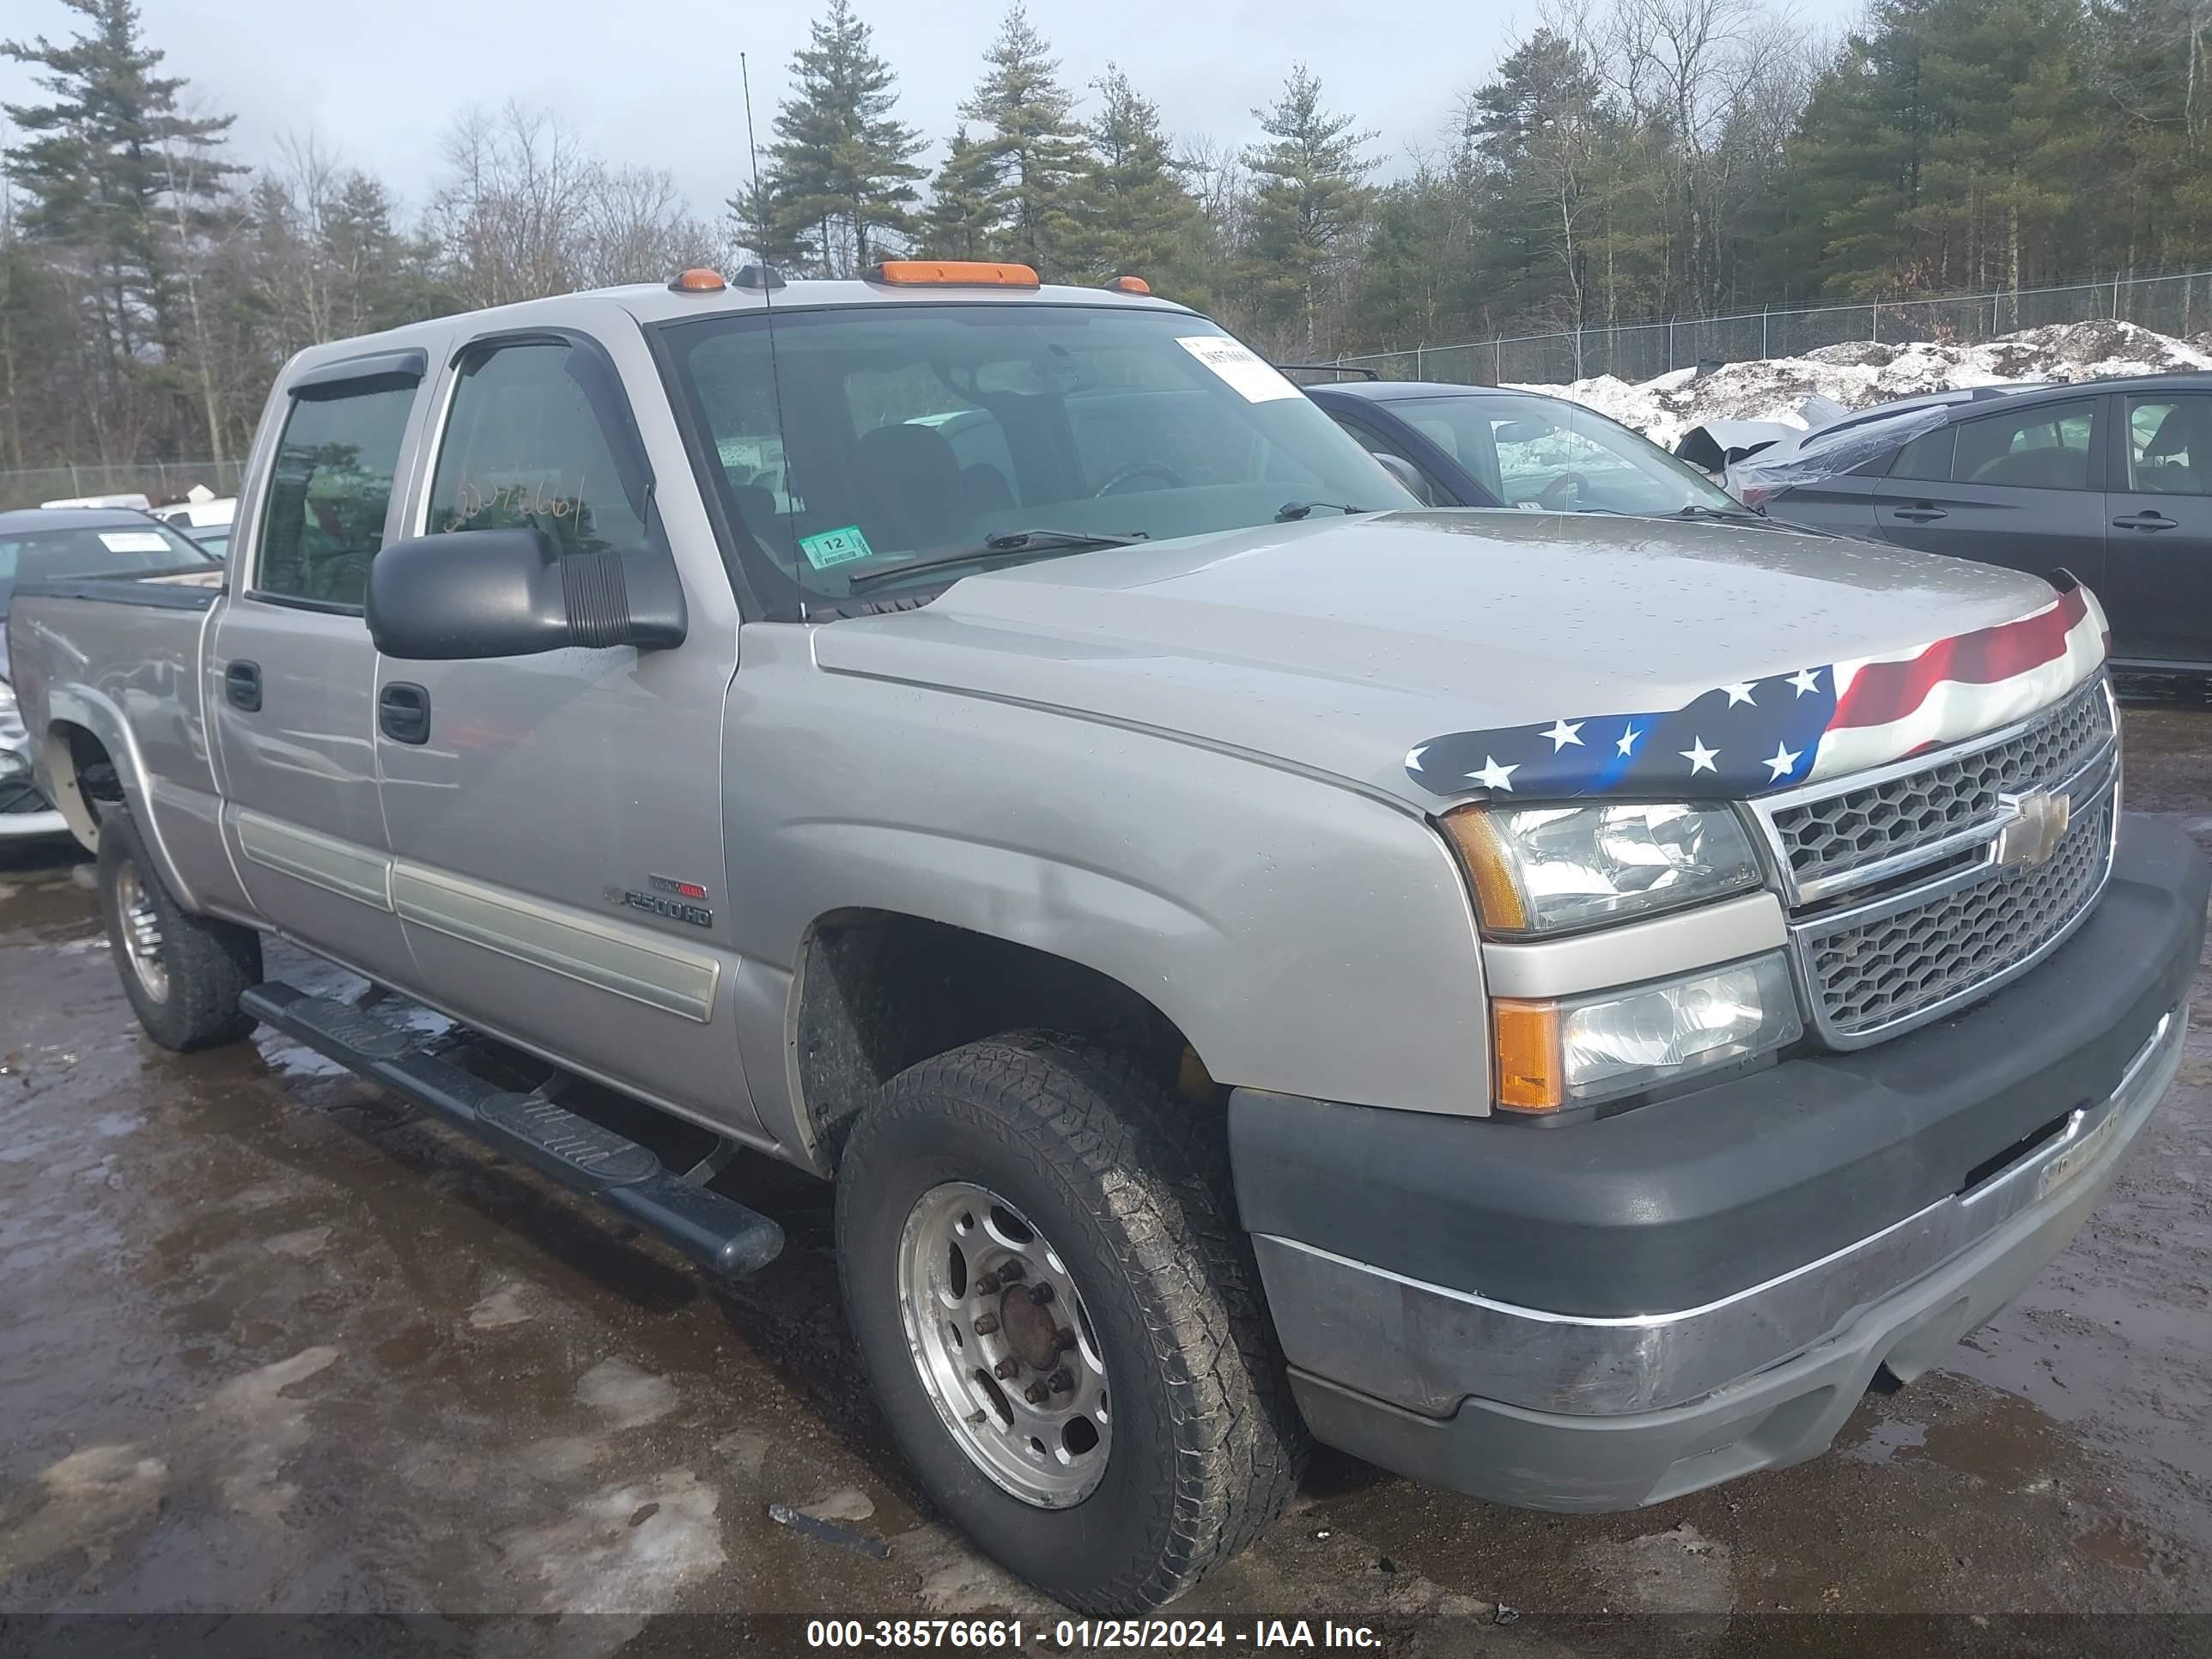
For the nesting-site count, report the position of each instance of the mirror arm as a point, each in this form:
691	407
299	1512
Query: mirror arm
631	598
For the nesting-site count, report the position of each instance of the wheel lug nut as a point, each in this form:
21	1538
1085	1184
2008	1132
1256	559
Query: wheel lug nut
1040	1294
1060	1383
1064	1339
986	1324
1034	1393
1011	1273
1005	1368
985	1283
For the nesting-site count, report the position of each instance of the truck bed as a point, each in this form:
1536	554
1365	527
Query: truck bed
117	658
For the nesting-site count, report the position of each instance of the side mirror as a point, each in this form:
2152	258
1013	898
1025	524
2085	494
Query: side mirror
1408	474
470	593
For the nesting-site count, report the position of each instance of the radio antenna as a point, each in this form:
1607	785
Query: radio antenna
752	150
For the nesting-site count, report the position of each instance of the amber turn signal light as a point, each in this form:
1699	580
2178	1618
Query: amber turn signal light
1130	285
964	273
1526	1040
1497	898
700	279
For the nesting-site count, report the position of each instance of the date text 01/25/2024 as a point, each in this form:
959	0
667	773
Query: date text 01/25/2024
1086	1635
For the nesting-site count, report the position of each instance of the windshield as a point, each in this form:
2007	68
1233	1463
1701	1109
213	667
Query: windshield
106	548
1546	453
880	436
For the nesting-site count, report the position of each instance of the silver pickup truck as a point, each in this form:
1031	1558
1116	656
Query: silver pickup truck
1553	1003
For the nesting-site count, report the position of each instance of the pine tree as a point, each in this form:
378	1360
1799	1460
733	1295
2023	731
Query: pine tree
760	229
962	220
1535	130
120	183
1311	200
1036	149
844	172
1137	216
1946	149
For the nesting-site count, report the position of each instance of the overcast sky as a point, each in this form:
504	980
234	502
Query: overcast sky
380	79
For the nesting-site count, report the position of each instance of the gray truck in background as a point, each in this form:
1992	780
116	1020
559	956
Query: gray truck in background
1551	1003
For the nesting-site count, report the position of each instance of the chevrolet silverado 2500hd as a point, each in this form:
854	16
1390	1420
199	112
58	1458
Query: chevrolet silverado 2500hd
1553	1003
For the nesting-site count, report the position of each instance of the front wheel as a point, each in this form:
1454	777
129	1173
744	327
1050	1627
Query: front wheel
183	973
1061	1319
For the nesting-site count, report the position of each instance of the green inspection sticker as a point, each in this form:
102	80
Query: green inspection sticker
835	547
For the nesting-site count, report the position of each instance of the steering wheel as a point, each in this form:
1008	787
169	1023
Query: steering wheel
1121	475
1555	494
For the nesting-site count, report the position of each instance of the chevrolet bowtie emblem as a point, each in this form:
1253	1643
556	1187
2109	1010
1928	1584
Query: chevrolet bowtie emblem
2032	836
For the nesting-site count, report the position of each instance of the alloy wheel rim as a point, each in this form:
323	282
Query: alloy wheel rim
142	932
1004	1348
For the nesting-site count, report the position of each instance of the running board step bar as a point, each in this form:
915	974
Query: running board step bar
719	1233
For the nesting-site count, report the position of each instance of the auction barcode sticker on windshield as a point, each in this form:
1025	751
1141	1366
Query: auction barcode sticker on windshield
1256	380
134	541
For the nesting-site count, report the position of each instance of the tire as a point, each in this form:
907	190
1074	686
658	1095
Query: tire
1126	1189
183	973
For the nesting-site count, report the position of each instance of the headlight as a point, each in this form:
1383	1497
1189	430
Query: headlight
1572	1053
1547	869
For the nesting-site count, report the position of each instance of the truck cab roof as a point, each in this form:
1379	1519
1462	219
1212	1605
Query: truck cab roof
652	303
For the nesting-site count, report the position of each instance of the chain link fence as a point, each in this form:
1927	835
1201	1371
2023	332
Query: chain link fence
2178	305
159	481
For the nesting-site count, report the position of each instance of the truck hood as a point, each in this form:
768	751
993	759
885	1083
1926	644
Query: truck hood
1338	646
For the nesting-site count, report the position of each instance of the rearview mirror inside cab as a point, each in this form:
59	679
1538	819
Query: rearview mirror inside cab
472	593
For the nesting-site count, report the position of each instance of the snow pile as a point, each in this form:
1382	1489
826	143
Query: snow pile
1809	391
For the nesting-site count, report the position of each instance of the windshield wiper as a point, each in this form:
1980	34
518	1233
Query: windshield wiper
1291	511
1698	509
1005	542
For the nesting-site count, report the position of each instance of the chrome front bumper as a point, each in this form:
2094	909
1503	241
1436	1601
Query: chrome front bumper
1426	1348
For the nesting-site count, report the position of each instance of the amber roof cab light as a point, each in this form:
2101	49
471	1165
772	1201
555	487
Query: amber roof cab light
1130	285
698	280
952	273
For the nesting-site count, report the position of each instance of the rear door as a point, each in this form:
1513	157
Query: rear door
2023	487
2157	590
556	819
291	669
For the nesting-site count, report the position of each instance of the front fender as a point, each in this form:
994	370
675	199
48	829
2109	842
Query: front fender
1294	928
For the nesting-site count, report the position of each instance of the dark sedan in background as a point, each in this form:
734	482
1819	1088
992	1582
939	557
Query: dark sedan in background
1472	446
2110	479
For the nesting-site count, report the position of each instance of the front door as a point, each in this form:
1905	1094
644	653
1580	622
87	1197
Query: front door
555	820
2023	487
2157	591
291	674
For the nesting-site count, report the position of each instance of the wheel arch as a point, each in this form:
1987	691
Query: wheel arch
878	990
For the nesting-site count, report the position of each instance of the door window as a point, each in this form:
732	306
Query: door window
538	440
330	490
2170	445
1927	457
2046	446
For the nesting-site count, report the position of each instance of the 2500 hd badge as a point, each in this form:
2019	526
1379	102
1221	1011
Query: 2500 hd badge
671	898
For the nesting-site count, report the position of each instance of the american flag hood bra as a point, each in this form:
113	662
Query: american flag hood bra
1754	736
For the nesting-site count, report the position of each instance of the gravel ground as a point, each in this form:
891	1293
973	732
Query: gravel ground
272	1343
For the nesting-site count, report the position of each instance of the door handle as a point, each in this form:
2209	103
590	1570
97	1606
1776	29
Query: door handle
241	684
1925	512
403	712
2146	519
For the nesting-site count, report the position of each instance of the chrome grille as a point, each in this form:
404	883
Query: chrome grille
1869	974
1899	908
1825	839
